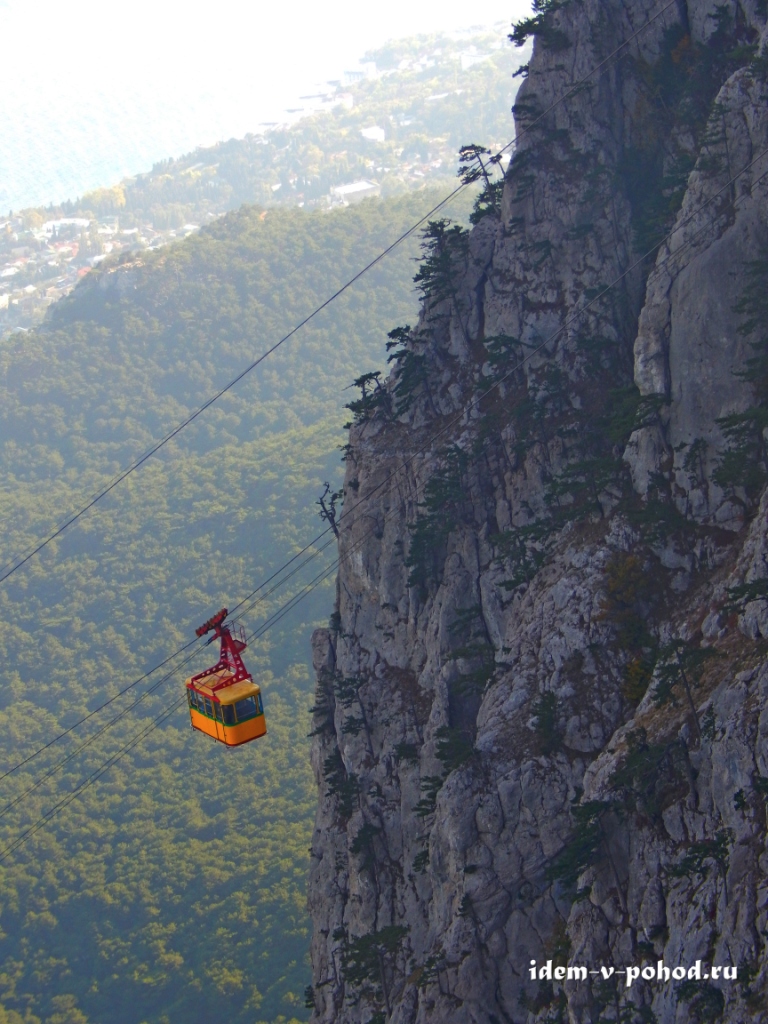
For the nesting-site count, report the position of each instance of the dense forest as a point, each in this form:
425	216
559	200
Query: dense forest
174	887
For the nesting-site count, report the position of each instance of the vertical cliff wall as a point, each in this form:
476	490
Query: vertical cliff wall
540	727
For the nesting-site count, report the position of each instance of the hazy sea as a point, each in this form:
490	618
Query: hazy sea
93	91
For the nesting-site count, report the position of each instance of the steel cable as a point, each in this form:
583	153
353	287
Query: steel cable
16	563
296	599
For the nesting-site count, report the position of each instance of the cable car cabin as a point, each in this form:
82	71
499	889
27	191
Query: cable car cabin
224	702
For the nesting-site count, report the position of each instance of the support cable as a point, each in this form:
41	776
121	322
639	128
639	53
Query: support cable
99	495
346	514
296	599
14	564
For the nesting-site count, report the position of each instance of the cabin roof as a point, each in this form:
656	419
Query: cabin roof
224	694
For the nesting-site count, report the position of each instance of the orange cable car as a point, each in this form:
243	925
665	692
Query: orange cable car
224	702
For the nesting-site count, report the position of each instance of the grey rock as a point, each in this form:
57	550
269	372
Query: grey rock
489	782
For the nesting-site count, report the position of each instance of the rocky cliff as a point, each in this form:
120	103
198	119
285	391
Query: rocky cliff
540	729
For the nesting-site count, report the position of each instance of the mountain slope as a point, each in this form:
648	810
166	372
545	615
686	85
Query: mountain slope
540	726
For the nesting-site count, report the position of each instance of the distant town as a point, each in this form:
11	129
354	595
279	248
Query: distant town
41	262
395	123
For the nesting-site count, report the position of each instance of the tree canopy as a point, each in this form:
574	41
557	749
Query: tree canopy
173	889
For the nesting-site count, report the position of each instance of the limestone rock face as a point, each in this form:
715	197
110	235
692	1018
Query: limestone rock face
688	344
541	725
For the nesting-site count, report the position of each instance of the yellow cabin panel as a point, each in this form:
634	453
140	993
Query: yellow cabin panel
231	735
238	691
207	725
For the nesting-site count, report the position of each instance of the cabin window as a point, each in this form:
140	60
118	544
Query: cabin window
245	709
191	699
208	707
229	714
217	711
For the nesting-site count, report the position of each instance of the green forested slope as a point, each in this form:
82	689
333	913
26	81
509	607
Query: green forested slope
173	889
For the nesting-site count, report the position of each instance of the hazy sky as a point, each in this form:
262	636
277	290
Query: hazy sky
92	90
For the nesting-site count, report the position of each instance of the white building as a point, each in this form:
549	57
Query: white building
355	191
53	225
374	133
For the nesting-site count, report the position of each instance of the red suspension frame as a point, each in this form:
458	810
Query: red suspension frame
229	658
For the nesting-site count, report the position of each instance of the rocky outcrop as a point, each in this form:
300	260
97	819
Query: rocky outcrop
539	729
688	349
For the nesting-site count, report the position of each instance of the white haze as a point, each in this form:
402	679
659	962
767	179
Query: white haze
94	90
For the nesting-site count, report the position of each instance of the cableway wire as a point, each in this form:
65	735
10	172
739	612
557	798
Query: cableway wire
382	483
64	802
16	564
280	613
246	603
85	718
97	497
295	600
89	781
99	732
181	650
